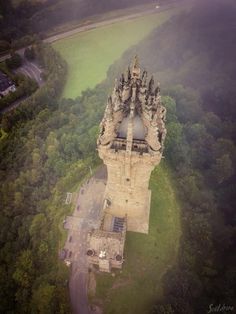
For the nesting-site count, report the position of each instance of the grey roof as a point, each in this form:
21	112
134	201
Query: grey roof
5	82
111	242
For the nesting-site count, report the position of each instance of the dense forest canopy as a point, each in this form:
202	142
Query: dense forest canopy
47	145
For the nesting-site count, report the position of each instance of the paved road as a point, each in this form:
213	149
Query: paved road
107	22
85	217
91	26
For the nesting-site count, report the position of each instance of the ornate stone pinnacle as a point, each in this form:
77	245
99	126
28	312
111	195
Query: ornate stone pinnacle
127	75
136	62
116	84
136	68
151	85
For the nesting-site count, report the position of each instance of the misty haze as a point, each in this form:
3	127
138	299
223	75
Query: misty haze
118	156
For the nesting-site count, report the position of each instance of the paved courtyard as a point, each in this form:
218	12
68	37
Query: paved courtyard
86	216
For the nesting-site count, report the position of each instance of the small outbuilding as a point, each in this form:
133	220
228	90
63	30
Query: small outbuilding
106	247
6	85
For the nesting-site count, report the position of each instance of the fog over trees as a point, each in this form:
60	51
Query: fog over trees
48	144
193	55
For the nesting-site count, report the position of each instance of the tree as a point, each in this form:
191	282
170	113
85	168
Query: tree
223	168
18	199
24	269
187	103
43	299
29	53
212	123
174	136
170	105
4	45
14	62
38	229
163	309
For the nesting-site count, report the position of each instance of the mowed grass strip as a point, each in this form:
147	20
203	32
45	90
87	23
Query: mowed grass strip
90	54
148	257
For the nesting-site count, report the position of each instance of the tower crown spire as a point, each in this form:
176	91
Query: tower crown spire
136	68
134	97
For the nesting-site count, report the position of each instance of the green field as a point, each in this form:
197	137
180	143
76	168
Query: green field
148	257
90	54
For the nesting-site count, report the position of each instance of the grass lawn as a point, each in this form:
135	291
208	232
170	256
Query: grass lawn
147	256
90	54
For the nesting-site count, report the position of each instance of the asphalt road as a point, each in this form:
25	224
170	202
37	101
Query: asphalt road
103	23
85	217
91	26
85	28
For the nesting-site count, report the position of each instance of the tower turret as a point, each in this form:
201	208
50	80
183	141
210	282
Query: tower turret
135	68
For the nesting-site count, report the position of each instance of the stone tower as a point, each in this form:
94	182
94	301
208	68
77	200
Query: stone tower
130	144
